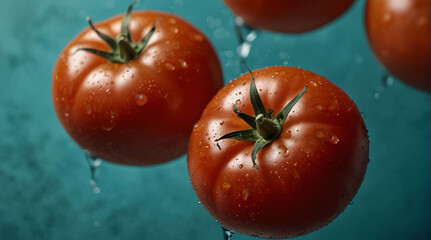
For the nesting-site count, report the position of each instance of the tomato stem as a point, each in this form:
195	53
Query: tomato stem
127	52
264	127
267	128
123	49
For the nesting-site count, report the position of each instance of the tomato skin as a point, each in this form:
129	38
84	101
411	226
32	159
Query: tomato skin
140	112
400	37
306	177
288	16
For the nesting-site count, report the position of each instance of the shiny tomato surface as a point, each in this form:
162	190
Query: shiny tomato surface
305	178
288	16
140	112
399	33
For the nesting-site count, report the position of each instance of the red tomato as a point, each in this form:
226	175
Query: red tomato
400	36
304	178
139	112
288	16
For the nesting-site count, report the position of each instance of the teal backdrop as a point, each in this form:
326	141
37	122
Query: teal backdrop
44	178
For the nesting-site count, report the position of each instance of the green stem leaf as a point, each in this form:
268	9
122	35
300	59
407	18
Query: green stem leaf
123	49
257	146
245	135
250	120
107	55
281	116
256	102
110	41
143	43
126	20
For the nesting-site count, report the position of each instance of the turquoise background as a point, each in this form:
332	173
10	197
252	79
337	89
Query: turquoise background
44	178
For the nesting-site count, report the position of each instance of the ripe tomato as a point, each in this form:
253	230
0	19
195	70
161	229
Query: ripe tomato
135	111
288	16
399	34
303	178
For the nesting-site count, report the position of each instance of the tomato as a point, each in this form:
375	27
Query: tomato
288	16
302	178
136	109
400	37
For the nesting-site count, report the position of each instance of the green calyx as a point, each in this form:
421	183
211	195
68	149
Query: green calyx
265	127
123	49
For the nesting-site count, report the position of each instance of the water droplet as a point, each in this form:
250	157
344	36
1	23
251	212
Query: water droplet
108	126
140	99
295	173
174	30
313	83
334	139
241	166
318	107
96	189
169	66
244	194
377	96
320	134
66	115
172	20
334	105
221	123
387	17
198	37
238	101
88	109
183	63
286	153
226	188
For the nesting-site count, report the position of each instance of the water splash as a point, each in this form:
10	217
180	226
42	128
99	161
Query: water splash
227	234
387	81
94	164
246	35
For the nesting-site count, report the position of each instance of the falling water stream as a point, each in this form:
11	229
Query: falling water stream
94	164
227	234
387	81
246	35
